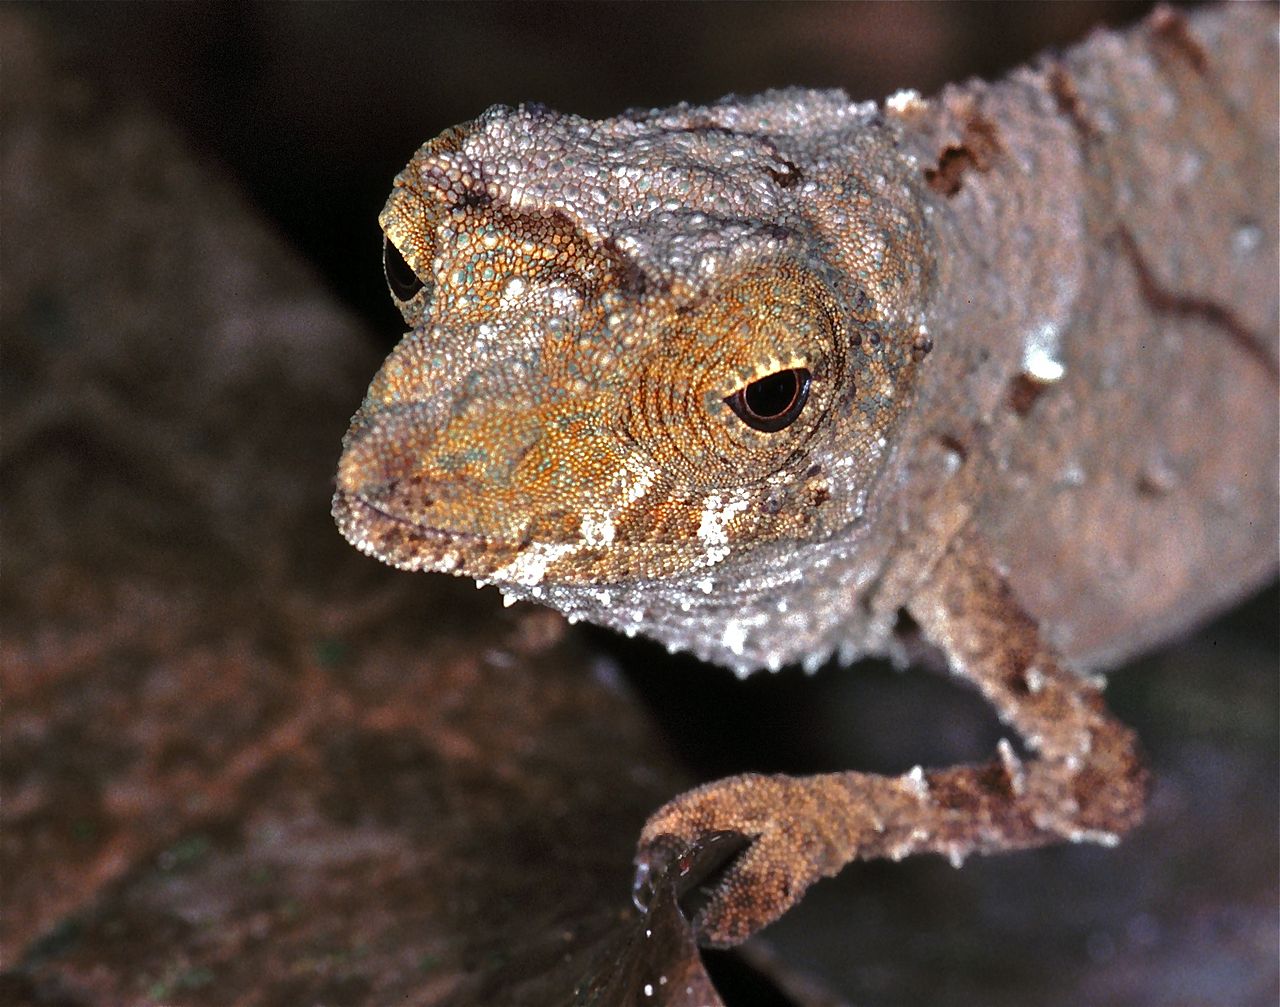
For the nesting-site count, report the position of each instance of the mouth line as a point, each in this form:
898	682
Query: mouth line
352	500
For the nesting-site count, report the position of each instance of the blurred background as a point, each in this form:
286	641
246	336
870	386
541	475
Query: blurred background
307	111
313	108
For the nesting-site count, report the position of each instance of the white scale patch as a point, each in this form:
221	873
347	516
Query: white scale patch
597	531
531	564
640	484
713	529
599	528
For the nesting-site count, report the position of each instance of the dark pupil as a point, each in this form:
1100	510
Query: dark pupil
774	401
402	280
772	396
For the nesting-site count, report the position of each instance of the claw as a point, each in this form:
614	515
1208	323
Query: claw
699	866
738	866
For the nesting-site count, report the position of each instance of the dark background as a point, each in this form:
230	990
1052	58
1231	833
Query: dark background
310	109
314	107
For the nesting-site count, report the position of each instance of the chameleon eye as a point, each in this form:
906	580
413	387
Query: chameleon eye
402	280
774	401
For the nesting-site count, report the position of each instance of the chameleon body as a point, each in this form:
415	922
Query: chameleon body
760	378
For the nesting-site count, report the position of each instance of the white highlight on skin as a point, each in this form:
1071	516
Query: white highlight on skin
735	636
903	101
1041	350
736	631
1012	767
813	661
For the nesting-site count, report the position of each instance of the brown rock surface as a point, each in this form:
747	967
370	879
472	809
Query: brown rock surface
243	764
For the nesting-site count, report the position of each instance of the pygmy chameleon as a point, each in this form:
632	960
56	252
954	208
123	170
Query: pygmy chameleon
771	379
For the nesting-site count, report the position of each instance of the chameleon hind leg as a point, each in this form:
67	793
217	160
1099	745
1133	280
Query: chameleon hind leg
1083	779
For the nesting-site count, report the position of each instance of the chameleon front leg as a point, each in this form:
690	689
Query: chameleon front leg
1083	780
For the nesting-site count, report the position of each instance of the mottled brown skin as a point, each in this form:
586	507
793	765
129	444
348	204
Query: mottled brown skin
1036	323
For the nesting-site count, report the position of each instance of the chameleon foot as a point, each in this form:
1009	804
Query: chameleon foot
1084	781
789	844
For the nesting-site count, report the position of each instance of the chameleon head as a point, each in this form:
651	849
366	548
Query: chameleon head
637	347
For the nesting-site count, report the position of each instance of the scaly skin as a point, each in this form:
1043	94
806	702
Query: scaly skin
755	379
571	441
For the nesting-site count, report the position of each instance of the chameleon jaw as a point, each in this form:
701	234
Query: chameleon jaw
410	545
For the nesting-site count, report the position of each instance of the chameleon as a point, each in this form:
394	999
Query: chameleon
793	378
